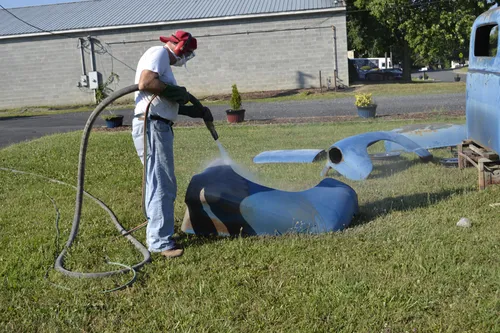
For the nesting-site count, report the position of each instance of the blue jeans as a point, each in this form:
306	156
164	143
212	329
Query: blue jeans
161	185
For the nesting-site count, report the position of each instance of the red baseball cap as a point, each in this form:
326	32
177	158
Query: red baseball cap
190	43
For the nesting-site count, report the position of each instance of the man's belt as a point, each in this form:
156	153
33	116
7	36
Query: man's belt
155	117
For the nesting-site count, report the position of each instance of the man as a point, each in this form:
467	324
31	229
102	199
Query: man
155	77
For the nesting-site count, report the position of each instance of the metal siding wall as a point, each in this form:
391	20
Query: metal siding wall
44	71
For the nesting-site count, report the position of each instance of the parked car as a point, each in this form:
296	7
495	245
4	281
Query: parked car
384	74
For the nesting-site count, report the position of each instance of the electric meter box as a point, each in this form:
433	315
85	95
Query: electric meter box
94	80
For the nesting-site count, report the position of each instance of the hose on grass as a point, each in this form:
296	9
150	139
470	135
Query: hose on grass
58	233
59	263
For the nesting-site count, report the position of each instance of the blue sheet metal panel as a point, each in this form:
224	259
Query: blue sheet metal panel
93	14
483	86
307	156
430	136
290	156
222	202
353	159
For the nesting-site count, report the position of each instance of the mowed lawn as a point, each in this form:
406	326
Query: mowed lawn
403	265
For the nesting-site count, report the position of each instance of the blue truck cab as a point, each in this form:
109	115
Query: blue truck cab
483	82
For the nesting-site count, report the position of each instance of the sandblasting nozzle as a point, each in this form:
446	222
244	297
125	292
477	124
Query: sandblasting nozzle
211	128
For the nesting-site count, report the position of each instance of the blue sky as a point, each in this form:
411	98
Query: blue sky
24	3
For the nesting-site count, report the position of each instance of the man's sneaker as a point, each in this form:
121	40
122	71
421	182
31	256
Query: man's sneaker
173	253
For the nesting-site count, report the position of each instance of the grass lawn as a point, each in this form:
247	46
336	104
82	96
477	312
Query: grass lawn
391	89
403	266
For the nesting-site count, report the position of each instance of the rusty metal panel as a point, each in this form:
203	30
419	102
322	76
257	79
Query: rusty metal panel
483	85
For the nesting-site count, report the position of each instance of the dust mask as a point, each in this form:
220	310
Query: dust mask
181	61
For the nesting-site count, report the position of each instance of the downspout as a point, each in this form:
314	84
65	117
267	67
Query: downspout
92	56
82	55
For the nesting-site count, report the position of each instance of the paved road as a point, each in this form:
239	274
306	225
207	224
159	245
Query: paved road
17	129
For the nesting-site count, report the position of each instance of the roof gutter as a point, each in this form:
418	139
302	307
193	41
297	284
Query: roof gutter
215	19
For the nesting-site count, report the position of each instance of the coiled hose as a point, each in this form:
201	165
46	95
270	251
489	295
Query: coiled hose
59	264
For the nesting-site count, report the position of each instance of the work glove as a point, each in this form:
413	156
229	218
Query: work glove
195	112
176	94
207	114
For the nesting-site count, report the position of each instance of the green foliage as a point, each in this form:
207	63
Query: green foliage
493	42
104	88
235	102
363	100
430	32
111	116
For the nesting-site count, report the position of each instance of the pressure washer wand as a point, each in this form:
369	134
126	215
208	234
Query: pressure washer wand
209	124
211	128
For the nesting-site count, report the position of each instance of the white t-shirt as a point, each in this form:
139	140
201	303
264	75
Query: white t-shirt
156	59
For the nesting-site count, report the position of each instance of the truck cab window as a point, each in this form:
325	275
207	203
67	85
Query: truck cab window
486	44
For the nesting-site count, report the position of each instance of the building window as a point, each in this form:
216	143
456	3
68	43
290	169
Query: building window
486	43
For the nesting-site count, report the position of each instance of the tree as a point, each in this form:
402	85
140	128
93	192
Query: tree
429	31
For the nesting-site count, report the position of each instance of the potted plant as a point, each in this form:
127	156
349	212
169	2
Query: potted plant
235	114
457	78
366	107
113	120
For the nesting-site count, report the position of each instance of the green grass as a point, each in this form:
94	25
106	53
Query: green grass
392	89
464	69
402	267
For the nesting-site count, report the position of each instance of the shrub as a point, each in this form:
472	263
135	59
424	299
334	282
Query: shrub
104	90
235	102
111	116
363	100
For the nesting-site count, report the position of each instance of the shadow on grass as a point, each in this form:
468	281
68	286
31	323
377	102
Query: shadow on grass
286	93
389	168
372	210
14	117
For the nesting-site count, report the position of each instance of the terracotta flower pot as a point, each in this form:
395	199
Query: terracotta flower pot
235	116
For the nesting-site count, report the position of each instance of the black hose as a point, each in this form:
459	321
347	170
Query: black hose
59	264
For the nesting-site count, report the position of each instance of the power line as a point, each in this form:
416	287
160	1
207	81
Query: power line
250	32
63	35
34	26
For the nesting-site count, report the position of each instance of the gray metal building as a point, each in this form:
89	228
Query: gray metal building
49	54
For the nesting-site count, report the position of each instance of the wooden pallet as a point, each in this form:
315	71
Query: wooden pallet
487	162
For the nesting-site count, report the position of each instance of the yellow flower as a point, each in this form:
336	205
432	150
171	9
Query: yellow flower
363	100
